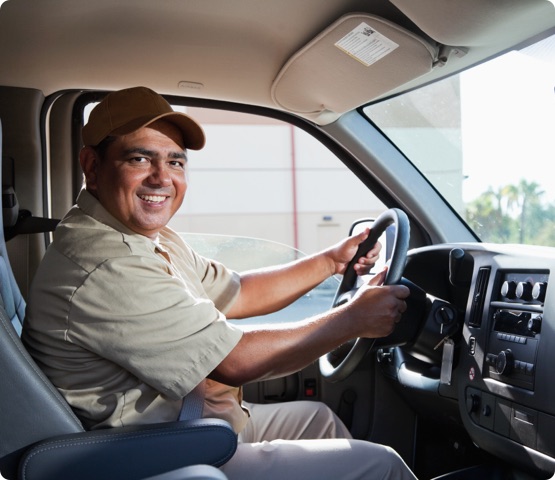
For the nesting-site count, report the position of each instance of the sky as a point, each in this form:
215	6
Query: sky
510	133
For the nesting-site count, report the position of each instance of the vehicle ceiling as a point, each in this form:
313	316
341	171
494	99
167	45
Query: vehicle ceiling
236	50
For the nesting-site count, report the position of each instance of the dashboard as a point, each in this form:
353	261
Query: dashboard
499	367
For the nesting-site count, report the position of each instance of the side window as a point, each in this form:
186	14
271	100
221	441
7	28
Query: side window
263	178
263	192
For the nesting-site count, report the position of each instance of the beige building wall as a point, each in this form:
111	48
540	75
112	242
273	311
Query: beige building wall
263	178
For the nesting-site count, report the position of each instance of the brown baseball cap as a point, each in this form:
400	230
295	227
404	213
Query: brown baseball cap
125	111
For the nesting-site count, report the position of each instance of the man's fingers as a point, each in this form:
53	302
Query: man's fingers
379	278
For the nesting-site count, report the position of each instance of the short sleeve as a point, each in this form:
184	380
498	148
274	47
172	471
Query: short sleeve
219	283
135	312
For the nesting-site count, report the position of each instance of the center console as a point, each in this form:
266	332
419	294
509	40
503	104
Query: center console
508	398
515	328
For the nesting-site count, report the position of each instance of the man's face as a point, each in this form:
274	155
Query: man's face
141	180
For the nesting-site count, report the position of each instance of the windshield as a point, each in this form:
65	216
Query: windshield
485	139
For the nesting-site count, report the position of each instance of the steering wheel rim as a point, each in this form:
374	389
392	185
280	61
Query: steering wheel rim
357	349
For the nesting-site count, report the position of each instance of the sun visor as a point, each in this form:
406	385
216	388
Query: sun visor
358	58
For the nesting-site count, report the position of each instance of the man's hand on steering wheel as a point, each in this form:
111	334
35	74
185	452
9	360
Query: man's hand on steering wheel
343	252
387	305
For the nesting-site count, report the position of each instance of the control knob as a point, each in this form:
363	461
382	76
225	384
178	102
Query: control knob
505	362
472	403
524	290
538	291
508	289
535	324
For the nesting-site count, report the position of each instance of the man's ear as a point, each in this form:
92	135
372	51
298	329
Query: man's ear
88	158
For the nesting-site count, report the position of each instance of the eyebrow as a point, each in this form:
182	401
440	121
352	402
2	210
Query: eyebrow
152	153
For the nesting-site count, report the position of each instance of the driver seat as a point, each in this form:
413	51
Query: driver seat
42	439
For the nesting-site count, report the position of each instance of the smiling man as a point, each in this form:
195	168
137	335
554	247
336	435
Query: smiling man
133	165
127	320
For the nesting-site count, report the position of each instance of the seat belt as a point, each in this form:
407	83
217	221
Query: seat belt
17	222
193	403
27	224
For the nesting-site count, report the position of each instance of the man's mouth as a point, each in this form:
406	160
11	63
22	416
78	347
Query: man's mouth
153	198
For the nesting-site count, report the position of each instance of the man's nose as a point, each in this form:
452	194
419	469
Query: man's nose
159	175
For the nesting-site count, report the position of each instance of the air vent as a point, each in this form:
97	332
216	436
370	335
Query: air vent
479	297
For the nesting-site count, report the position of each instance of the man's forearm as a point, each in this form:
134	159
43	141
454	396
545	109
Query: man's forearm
268	290
276	350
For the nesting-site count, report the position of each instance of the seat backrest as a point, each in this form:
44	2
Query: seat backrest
14	304
31	408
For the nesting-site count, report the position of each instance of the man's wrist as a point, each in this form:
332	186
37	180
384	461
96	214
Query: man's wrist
330	266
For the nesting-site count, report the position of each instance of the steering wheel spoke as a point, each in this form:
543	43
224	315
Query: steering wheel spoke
344	297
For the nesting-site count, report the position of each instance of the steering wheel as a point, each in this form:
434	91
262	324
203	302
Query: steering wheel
341	362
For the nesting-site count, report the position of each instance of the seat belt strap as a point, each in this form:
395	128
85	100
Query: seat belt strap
193	403
27	224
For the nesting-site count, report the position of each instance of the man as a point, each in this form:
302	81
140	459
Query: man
127	320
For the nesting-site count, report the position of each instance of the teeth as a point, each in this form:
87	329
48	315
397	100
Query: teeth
153	198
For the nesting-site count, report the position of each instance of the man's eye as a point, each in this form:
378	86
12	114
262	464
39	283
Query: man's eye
139	159
177	163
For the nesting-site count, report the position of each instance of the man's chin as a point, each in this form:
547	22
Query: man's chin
150	228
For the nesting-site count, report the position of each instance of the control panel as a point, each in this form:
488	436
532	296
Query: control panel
524	288
505	384
517	315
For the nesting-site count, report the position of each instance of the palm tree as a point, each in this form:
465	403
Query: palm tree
529	193
507	214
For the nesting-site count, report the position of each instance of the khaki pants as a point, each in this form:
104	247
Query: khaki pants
306	440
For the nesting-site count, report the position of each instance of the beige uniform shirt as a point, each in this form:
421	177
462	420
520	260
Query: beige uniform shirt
124	327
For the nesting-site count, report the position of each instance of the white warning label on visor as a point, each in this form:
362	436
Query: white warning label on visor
366	45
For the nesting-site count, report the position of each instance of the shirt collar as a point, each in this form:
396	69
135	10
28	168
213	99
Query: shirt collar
90	205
